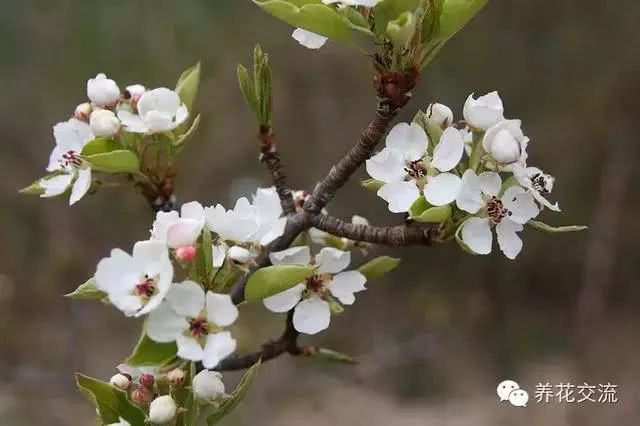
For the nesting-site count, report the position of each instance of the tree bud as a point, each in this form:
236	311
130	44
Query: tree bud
208	386
146	381
120	381
505	142
439	115
83	111
141	397
162	410
176	377
103	91
104	123
186	254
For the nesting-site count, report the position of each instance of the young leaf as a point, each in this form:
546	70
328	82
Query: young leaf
434	215
540	226
236	397
204	259
248	91
310	15
388	10
118	161
272	280
225	276
33	189
100	146
372	184
87	291
456	14
111	403
178	144
379	266
331	355
147	352
188	84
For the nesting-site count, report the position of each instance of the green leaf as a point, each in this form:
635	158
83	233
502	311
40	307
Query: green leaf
419	206
540	226
310	15
204	258
275	279
87	291
355	18
402	29
388	10
33	189
248	91
100	146
111	403
225	276
147	352
178	144
379	266
434	215
236	397
456	14
331	355
188	84
335	306
461	243
118	161
372	184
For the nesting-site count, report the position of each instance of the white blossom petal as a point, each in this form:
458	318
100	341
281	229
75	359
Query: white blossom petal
219	253
81	186
509	241
132	122
448	153
521	204
312	315
286	300
184	233
399	195
483	112
192	210
442	189
476	234
189	348
490	183
291	256
387	166
165	325
469	198
218	347
186	299
309	39
220	309
331	260
55	185
345	284
410	140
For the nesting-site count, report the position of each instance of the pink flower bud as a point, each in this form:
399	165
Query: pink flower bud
141	397
186	254
147	381
83	112
176	377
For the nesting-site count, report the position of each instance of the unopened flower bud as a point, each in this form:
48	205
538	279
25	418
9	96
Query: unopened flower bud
104	123
186	254
162	410
208	386
103	91
83	111
146	381
176	377
505	142
134	92
141	397
440	115
239	254
120	381
483	112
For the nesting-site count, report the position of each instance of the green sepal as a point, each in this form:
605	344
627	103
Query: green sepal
379	266
335	306
330	355
33	189
188	85
540	226
178	144
372	184
87	291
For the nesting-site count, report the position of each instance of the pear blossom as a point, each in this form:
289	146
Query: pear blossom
176	377
312	312
83	111
71	137
404	166
195	321
440	115
102	91
309	39
136	284
506	144
179	230
207	386
480	196
159	110
483	112
104	123
162	410
539	183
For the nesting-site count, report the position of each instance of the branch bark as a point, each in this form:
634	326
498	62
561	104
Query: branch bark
270	156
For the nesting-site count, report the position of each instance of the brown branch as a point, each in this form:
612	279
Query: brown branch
271	158
395	236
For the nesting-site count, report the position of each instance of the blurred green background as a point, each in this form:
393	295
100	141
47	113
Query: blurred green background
435	337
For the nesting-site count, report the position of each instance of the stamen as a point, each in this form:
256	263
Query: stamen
314	282
540	184
146	288
198	327
416	169
496	210
71	158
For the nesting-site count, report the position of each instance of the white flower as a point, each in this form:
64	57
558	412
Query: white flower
479	195
268	214
159	110
506	143
102	91
309	39
136	284
312	312
83	111
71	136
207	386
104	123
483	112
122	422
441	189
162	409
195	322
539	183
440	115
120	381
179	230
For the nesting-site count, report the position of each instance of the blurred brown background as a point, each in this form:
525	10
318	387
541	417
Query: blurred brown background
435	337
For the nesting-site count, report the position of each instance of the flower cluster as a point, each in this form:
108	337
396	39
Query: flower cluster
493	187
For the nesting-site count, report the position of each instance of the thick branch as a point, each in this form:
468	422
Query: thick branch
287	343
271	157
395	236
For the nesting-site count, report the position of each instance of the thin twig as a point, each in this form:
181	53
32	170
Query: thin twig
270	156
